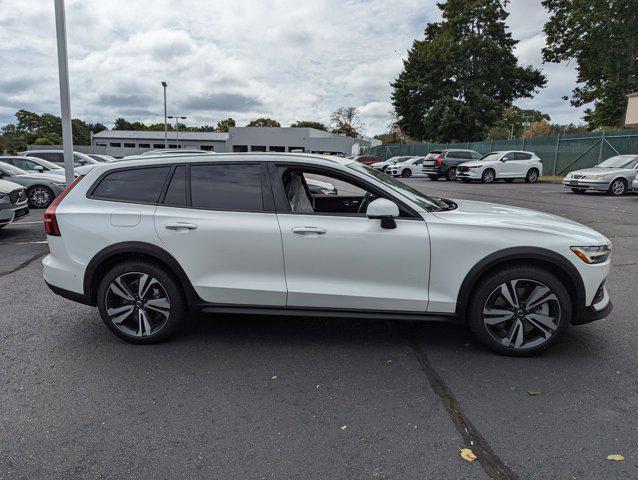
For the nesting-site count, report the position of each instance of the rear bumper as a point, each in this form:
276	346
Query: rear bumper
438	170
73	296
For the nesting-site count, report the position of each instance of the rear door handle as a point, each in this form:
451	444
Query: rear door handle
309	231
180	226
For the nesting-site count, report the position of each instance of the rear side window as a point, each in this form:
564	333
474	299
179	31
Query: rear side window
136	185
519	156
226	187
461	155
176	194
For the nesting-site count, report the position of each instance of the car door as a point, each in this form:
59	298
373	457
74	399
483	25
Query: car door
417	166
506	167
342	259
218	221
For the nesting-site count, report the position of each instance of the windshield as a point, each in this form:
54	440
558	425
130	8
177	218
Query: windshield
98	158
619	161
491	157
432	155
47	164
425	201
402	159
11	170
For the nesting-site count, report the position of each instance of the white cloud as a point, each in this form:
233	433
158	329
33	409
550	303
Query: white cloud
287	59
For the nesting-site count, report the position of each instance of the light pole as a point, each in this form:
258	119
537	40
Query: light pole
65	96
164	84
177	119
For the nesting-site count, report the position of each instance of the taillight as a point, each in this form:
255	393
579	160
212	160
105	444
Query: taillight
50	221
439	159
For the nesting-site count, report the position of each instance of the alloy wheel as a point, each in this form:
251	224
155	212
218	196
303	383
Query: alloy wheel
488	176
618	187
137	304
532	176
40	197
521	314
451	174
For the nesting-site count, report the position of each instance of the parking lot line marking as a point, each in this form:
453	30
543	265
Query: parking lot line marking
493	466
24	243
24	264
28	223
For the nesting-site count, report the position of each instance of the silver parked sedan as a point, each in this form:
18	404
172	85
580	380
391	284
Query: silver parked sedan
614	176
41	188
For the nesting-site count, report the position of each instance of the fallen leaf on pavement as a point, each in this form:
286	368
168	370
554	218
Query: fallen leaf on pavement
274	377
617	458
533	393
343	427
467	454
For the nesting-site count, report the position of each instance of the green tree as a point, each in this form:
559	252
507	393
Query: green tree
602	36
224	125
346	121
264	122
457	81
96	127
309	124
122	124
514	121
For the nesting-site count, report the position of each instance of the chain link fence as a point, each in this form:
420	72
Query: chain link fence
561	154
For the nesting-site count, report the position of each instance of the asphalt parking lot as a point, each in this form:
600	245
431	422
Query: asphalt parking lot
271	397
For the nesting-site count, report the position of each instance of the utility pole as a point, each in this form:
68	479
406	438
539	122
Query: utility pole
177	119
65	96
164	84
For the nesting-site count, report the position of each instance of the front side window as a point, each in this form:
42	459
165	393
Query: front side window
135	185
234	187
24	164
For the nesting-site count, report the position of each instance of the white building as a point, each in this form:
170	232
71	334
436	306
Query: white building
119	143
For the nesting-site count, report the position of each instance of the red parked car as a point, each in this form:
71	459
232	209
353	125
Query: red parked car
367	159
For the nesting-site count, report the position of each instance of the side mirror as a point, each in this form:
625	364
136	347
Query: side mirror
38	168
384	210
504	159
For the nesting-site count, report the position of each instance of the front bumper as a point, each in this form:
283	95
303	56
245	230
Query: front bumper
13	213
634	185
599	309
472	174
602	186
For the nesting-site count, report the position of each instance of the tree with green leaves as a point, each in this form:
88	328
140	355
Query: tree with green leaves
264	122
346	121
122	124
309	124
457	81
602	36
224	125
514	121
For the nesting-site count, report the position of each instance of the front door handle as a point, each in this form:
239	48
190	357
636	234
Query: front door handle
180	226
309	231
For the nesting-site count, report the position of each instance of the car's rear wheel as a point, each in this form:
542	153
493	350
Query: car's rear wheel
433	177
140	302
39	196
519	311
532	176
618	187
488	176
578	190
451	174
406	173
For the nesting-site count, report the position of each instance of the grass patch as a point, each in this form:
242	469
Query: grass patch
551	178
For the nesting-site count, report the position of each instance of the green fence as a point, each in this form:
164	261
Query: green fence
561	154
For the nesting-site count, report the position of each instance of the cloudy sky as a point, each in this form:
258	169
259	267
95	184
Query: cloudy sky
285	59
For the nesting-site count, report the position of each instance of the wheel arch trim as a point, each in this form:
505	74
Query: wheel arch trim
521	255
140	248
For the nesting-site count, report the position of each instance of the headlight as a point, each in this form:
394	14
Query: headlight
476	166
2	195
593	254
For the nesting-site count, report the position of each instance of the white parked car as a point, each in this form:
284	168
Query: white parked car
504	165
634	184
406	168
147	241
390	161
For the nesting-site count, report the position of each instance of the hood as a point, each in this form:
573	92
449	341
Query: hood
8	187
45	176
474	163
378	164
600	171
505	216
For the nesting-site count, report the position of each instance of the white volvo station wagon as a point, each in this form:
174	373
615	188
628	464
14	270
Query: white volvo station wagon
148	240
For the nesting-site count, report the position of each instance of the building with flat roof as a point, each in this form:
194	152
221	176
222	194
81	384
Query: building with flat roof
119	143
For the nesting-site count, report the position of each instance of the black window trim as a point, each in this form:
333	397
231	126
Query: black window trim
90	191
281	200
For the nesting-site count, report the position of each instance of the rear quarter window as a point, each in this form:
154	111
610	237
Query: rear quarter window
134	185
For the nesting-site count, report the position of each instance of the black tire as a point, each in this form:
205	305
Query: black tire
433	177
406	173
579	190
383	169
532	176
43	196
170	287
450	175
489	175
618	187
485	290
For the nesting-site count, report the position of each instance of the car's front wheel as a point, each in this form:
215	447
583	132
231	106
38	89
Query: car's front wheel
618	187
406	173
39	196
140	302
451	174
488	176
519	311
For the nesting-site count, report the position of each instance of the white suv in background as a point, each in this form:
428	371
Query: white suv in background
505	165
406	168
147	241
